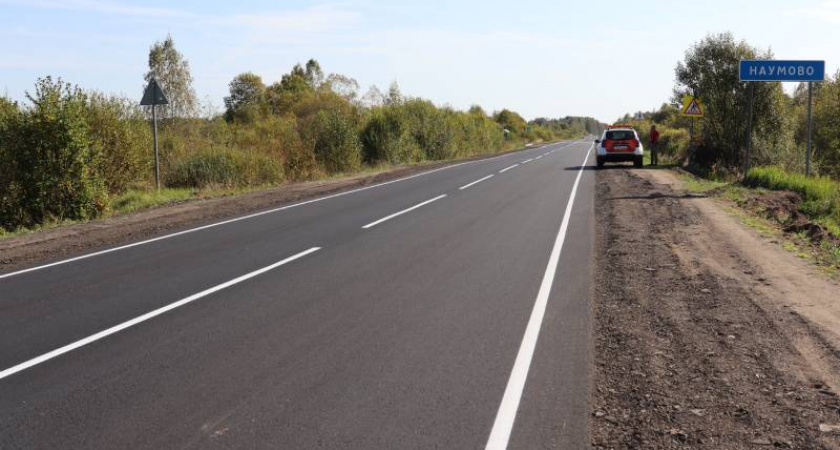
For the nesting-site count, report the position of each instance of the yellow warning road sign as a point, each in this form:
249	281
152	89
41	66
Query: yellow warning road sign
692	107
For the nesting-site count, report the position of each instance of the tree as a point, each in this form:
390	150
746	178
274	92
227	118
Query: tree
826	126
394	95
313	74
168	66
373	97
291	90
344	86
710	71
247	94
477	110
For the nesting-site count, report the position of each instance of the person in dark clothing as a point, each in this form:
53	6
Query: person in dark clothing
654	146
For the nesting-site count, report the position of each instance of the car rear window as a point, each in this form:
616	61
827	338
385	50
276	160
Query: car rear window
621	134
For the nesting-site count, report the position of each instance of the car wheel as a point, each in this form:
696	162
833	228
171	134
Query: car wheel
600	162
638	162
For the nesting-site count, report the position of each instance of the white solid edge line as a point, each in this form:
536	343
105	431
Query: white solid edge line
475	182
372	224
508	168
503	425
149	315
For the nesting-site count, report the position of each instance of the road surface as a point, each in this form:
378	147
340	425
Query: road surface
446	310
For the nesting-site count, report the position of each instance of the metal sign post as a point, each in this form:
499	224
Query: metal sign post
154	96
774	70
808	145
749	128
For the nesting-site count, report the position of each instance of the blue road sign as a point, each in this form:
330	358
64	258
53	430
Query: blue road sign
772	70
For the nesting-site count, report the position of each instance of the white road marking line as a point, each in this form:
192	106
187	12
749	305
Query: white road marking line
237	219
373	224
527	161
538	157
149	315
475	182
503	425
508	168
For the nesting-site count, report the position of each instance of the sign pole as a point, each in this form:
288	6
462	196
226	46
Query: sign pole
749	129
808	147
154	96
157	158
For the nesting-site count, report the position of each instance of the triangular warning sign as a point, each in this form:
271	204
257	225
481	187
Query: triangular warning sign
692	107
153	95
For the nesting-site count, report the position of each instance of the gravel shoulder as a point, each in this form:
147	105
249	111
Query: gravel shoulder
707	336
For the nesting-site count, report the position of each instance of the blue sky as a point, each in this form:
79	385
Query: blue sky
541	58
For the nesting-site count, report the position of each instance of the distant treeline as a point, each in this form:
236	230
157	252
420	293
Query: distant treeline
66	153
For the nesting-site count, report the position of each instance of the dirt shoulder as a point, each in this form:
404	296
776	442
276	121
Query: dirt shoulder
73	240
706	334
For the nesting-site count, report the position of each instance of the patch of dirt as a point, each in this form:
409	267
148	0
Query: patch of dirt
73	240
785	208
704	333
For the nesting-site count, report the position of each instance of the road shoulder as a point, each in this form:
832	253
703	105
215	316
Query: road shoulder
705	336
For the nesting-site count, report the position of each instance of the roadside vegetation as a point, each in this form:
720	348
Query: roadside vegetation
68	154
714	148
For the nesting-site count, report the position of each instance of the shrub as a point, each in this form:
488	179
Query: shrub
224	167
54	162
125	138
337	145
673	142
386	136
430	129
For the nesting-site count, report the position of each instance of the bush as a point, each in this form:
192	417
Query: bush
386	136
673	142
53	163
431	129
224	167
125	138
337	145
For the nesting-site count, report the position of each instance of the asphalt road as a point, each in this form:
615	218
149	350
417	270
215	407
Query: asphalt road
447	310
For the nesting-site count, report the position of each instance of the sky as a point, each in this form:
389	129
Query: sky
539	58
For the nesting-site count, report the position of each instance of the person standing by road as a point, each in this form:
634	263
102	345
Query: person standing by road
654	145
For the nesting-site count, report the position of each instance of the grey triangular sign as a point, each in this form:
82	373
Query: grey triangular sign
153	95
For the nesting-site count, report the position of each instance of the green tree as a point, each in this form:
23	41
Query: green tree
169	67
247	98
826	132
292	89
710	71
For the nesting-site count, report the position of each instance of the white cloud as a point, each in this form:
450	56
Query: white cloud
318	19
99	6
827	11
